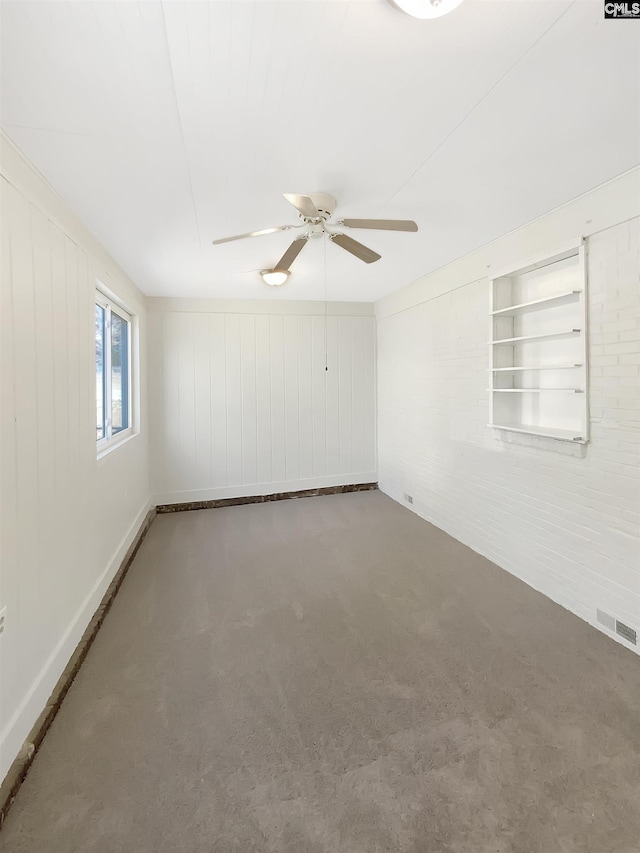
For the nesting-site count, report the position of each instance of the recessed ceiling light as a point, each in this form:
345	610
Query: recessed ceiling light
274	277
426	8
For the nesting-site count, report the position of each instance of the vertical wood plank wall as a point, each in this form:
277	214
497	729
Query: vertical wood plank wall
66	516
241	402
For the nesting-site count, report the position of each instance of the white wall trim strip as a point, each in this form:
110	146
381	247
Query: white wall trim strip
29	182
610	204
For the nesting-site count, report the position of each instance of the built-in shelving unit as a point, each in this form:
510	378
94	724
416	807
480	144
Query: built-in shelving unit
538	350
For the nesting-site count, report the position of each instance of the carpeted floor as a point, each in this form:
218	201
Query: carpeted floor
335	675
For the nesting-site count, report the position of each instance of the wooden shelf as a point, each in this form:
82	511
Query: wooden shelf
546	432
536	304
539	367
547	336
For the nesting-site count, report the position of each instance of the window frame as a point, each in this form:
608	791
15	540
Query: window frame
112	306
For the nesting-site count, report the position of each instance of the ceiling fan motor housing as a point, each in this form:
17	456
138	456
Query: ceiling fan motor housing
315	229
325	203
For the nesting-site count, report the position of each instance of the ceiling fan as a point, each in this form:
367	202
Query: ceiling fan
315	210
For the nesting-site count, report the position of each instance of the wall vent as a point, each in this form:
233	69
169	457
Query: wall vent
626	632
617	627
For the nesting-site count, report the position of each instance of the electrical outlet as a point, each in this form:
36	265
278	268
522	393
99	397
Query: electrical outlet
3	618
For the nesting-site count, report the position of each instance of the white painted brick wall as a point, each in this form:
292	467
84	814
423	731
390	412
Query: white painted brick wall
564	518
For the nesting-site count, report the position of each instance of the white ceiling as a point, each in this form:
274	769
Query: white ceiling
167	125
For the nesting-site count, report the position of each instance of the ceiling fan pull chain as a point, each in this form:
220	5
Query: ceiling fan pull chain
324	247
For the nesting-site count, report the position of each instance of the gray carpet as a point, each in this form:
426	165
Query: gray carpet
335	675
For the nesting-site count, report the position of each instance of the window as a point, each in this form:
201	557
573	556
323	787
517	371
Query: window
113	371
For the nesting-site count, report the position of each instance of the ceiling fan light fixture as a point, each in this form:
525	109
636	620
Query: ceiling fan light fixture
274	278
426	8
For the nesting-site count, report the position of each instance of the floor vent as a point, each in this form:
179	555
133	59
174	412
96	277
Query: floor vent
626	632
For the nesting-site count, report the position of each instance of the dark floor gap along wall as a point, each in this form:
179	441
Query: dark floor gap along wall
20	767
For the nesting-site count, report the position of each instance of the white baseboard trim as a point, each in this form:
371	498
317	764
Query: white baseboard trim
19	726
245	491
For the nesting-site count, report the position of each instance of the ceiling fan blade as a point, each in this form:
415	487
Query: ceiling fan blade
291	254
303	204
381	224
357	249
253	234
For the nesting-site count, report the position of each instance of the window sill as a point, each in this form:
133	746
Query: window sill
114	443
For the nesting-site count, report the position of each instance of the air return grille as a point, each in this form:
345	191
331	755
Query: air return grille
626	632
613	624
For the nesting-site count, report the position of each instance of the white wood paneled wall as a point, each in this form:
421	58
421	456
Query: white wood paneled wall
66	517
241	402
